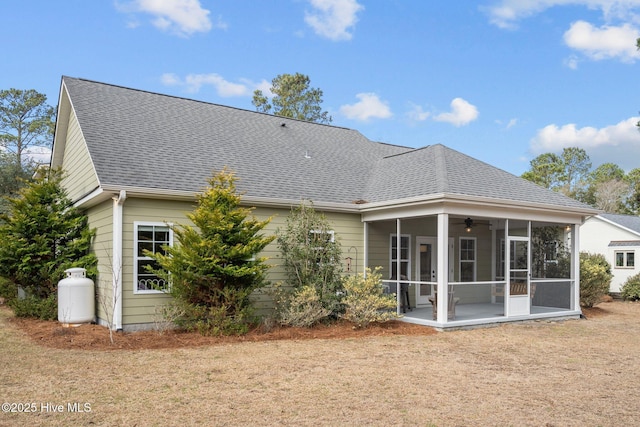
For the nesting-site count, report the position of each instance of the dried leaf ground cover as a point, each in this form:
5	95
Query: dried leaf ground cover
570	373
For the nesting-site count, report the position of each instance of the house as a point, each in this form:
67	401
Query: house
135	161
617	237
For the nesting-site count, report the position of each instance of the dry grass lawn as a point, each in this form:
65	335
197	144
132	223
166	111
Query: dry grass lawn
570	373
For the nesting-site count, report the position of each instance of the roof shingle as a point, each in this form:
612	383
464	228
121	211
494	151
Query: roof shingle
149	140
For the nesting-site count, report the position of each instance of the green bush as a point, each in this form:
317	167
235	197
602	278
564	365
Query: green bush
42	235
8	290
214	266
595	278
631	288
33	306
302	308
311	256
365	301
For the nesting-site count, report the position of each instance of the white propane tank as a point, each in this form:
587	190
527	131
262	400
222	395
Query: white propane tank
76	298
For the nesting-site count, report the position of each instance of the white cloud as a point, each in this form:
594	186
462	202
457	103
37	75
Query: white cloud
462	113
333	18
181	17
224	88
604	42
38	154
418	114
369	106
506	13
619	143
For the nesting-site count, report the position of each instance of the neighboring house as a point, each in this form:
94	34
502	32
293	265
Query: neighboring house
617	237
136	160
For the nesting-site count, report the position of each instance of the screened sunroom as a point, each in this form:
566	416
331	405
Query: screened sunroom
463	269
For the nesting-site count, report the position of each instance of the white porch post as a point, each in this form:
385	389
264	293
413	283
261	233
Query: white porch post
443	267
398	265
575	266
507	269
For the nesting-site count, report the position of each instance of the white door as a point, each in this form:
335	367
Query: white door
519	275
426	270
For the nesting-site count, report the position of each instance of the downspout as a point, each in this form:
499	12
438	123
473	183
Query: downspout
118	202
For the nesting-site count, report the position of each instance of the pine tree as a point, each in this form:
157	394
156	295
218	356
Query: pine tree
213	267
42	235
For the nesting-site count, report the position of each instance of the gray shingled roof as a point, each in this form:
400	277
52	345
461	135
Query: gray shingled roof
144	139
148	140
438	169
628	221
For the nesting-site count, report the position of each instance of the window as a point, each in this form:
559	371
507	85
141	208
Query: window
322	236
321	241
151	237
405	256
625	259
467	259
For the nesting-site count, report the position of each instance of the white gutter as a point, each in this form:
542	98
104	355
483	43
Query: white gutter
118	202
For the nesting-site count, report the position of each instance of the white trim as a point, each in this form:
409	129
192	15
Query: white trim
443	268
136	258
116	268
475	257
625	259
393	238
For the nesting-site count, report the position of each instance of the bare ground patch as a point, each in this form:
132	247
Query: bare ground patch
570	373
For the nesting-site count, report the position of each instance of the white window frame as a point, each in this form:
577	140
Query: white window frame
137	258
625	259
329	232
474	262
392	261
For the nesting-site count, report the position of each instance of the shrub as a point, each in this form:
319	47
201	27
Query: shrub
214	267
631	288
42	235
302	308
365	301
311	256
8	290
595	278
33	306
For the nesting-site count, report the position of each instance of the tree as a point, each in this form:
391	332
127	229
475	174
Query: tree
292	98
566	173
607	188
545	170
214	266
13	177
26	121
632	202
311	256
42	236
576	166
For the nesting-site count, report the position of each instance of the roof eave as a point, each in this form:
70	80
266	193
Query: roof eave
462	201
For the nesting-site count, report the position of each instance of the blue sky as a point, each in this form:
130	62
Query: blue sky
500	80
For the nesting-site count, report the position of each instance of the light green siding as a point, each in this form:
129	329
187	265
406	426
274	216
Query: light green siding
140	308
100	220
348	229
81	177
